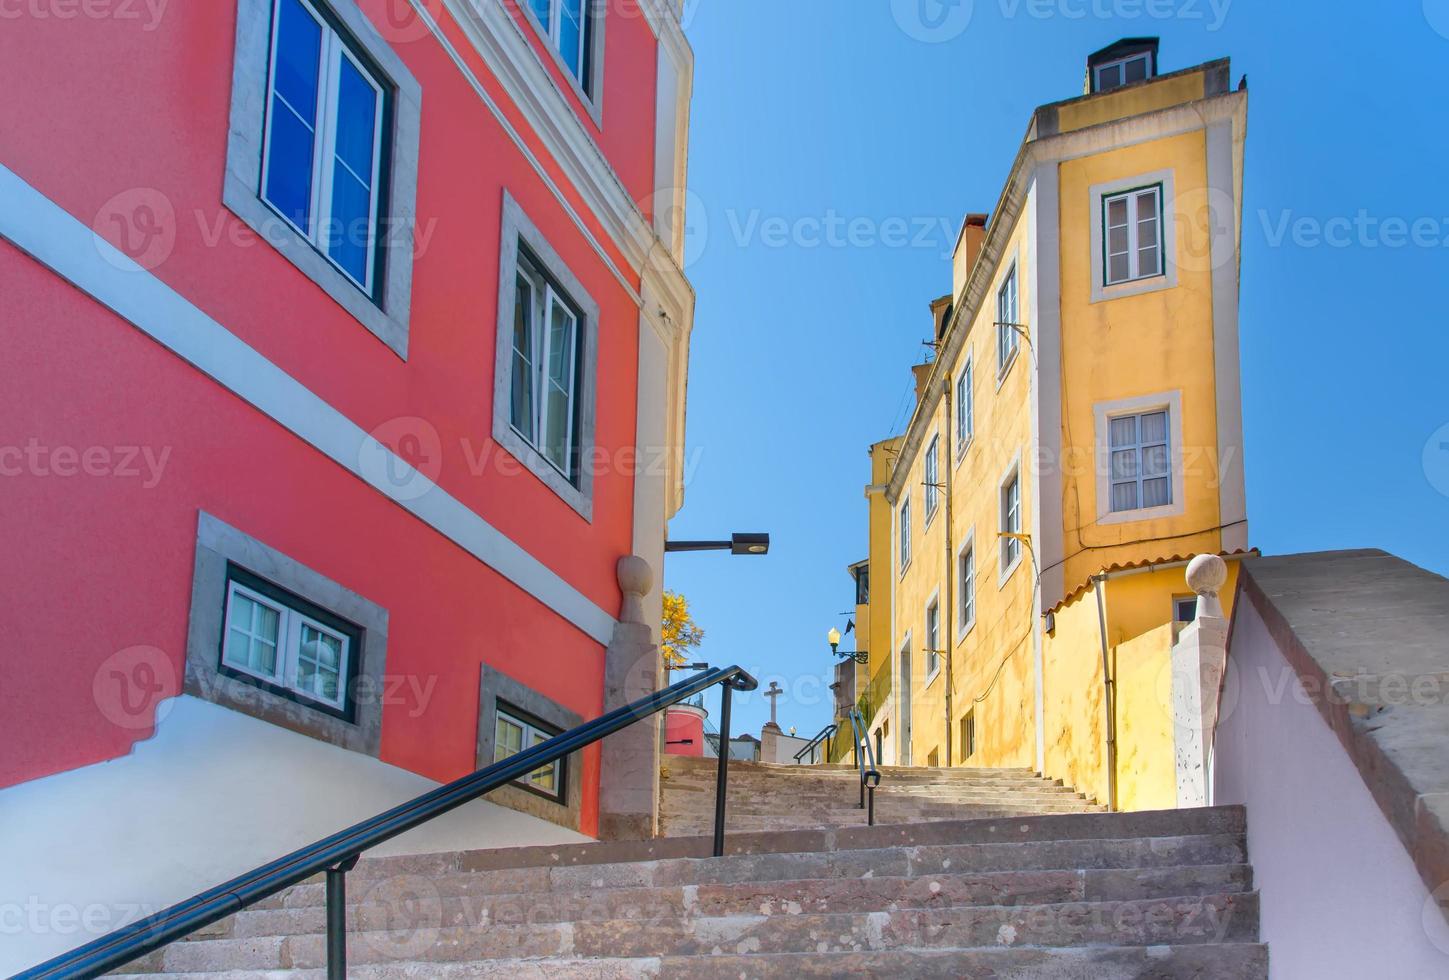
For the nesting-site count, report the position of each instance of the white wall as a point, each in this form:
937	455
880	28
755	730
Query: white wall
1340	895
213	794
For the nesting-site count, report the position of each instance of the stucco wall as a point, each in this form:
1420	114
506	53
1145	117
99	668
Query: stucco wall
90	850
1340	895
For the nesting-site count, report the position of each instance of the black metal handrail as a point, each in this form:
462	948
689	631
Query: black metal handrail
824	734
865	763
338	854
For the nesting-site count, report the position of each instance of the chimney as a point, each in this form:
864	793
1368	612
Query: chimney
968	250
923	374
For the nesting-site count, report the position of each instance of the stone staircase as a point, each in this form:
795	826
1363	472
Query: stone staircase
1041	895
771	797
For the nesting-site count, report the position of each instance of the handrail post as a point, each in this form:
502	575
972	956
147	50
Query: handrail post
721	785
337	919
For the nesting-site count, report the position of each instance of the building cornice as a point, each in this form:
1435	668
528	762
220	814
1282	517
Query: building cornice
1114	134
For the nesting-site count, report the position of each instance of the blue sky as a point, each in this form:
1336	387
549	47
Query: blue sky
807	118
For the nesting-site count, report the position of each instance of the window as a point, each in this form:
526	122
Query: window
966	577
570	26
965	409
1008	339
905	532
512	735
968	735
285	643
1141	470
933	638
1123	71
933	478
933	758
1184	608
1132	229
862	585
546	342
323	149
1010	522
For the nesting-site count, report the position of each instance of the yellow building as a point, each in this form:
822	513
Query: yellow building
1076	438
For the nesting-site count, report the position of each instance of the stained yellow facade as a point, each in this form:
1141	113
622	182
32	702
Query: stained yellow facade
1012	668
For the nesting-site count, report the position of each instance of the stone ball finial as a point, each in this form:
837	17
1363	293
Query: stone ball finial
636	578
1206	574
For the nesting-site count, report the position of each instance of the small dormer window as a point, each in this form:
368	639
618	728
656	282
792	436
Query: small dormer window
1124	71
1132	59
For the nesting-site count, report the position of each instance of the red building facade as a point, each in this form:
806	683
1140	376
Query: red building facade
345	345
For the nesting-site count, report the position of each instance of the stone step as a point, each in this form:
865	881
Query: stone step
413	902
1164	854
1172	921
1241	961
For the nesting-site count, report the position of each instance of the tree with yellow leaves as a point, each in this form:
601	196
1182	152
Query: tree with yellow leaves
680	633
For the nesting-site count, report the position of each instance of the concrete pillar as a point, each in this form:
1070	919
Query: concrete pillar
629	783
1198	660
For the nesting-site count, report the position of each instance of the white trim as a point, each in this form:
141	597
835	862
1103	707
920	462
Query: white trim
1150	284
1010	270
1122	62
928	490
1003	572
593	104
55	239
963	630
1103	412
903	510
905	719
1043	287
1227	366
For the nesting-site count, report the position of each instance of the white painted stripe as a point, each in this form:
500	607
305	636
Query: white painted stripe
523	148
44	230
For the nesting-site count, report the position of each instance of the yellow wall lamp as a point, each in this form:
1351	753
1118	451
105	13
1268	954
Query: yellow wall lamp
833	638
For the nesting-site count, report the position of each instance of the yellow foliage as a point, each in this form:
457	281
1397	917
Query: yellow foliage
680	633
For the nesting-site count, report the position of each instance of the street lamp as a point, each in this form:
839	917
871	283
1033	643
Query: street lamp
738	544
833	638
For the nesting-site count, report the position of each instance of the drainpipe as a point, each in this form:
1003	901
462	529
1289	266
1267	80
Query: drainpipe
1109	695
948	625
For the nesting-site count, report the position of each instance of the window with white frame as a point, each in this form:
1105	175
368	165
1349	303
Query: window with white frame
1184	608
933	637
1008	339
323	151
1010	521
933	477
547	342
286	643
570	26
1132	235
1141	467
513	733
966	583
965	409
905	532
1122	71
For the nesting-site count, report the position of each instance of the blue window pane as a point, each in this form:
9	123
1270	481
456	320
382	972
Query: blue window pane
289	166
540	8
350	230
356	121
299	47
571	32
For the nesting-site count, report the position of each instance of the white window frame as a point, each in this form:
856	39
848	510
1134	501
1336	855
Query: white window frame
1010	550
1166	401
289	646
1177	601
541	333
966	585
903	529
590	90
932	647
530	732
930	478
1121	63
965	408
1167	278
1008	340
334	48
1132	199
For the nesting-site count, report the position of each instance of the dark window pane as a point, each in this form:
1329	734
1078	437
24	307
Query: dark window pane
350	231
289	167
1136	69
356	122
299	47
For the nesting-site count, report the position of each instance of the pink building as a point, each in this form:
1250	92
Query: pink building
344	356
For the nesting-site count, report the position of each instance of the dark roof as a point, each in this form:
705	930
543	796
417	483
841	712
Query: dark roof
1123	46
